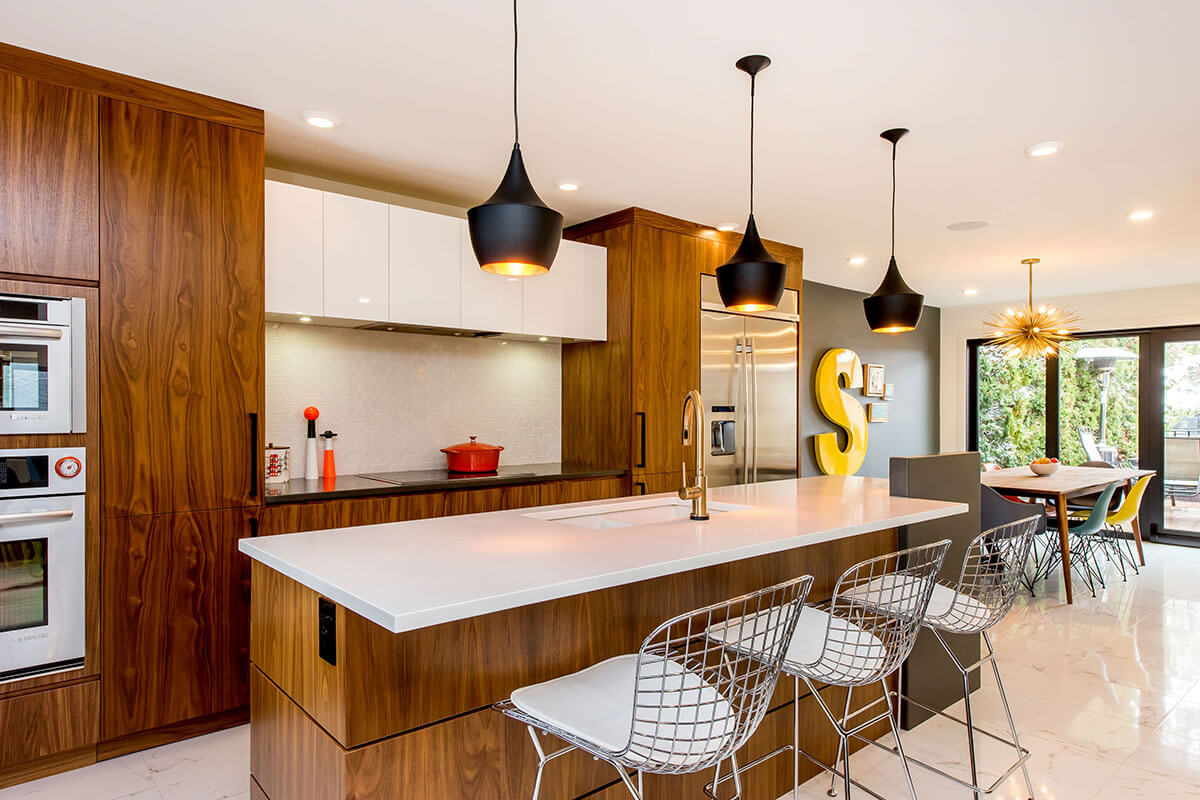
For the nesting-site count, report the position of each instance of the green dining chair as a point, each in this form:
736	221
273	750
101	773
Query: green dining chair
1085	538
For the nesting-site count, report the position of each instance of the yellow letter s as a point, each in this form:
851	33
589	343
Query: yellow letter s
842	410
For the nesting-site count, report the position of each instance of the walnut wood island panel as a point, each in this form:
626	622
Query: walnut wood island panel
377	651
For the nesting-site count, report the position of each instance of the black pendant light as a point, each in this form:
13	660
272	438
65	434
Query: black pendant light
895	307
514	232
752	280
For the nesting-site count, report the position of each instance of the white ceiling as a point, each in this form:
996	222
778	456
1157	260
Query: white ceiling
639	102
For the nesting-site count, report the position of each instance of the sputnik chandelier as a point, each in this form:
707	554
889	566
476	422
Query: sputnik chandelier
1032	332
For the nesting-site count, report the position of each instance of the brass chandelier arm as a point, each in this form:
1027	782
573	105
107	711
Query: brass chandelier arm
1030	332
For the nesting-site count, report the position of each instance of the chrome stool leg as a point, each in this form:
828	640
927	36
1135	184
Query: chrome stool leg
912	789
1012	726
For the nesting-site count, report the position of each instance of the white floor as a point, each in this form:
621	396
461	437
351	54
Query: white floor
1106	694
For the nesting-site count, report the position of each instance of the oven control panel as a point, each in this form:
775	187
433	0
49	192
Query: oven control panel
34	472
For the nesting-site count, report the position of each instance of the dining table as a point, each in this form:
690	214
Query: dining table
1062	485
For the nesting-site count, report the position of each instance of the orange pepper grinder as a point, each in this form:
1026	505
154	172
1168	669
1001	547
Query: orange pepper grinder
329	473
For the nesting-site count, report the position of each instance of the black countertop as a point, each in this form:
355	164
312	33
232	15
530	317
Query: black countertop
377	484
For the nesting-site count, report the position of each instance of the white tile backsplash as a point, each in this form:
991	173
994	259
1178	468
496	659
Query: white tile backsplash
396	399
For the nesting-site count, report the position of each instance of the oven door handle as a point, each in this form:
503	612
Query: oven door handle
31	331
34	516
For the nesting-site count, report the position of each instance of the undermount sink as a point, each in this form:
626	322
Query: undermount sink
625	515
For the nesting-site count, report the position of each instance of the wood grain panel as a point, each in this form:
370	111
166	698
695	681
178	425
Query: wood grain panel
174	732
49	143
583	490
597	398
351	511
496	498
279	604
44	767
485	756
91	441
291	758
175	618
666	337
45	724
497	653
125	87
181	311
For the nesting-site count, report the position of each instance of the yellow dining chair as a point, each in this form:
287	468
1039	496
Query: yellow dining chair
1125	515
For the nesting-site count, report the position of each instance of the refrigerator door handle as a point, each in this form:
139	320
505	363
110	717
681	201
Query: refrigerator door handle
744	404
754	408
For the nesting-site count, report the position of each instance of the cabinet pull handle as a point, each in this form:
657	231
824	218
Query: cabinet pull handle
642	461
253	527
642	485
254	456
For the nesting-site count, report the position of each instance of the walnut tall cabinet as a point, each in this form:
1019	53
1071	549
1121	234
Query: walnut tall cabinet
622	399
148	201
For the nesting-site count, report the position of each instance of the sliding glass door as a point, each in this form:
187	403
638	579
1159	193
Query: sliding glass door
1174	411
1127	398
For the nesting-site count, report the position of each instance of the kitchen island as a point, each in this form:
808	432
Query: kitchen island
378	650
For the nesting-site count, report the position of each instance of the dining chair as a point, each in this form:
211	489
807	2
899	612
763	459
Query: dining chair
1084	539
685	702
1125	514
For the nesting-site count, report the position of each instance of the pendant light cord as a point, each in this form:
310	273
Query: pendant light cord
893	200
1031	286
752	77
516	123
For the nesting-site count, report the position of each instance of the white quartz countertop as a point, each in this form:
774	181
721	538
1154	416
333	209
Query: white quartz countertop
409	575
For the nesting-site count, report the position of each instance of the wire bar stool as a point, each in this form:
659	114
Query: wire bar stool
685	702
861	636
984	594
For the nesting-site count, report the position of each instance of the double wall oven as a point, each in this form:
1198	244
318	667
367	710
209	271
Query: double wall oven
43	529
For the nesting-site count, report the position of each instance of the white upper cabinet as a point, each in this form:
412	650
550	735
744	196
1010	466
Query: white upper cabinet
356	258
426	274
345	258
294	242
545	298
587	290
489	302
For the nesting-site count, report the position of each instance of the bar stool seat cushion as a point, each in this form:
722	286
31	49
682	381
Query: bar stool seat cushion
832	649
596	707
955	612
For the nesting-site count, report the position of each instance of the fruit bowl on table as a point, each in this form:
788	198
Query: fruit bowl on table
1044	468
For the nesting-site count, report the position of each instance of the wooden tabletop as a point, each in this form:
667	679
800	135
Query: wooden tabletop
1065	482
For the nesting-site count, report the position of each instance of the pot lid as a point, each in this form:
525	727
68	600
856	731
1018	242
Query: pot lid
467	447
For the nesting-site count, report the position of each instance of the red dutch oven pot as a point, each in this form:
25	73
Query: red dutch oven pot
472	456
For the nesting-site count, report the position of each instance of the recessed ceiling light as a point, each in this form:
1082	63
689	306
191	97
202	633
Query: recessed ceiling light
727	226
306	319
568	186
1141	214
364	299
1043	149
968	225
970	292
857	260
543	338
319	119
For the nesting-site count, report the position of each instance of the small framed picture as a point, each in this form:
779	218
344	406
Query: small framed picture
888	388
873	385
877	412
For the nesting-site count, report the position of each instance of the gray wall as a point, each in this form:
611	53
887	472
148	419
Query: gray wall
833	317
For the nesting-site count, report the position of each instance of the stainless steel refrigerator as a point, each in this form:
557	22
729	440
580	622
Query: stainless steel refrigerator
748	379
